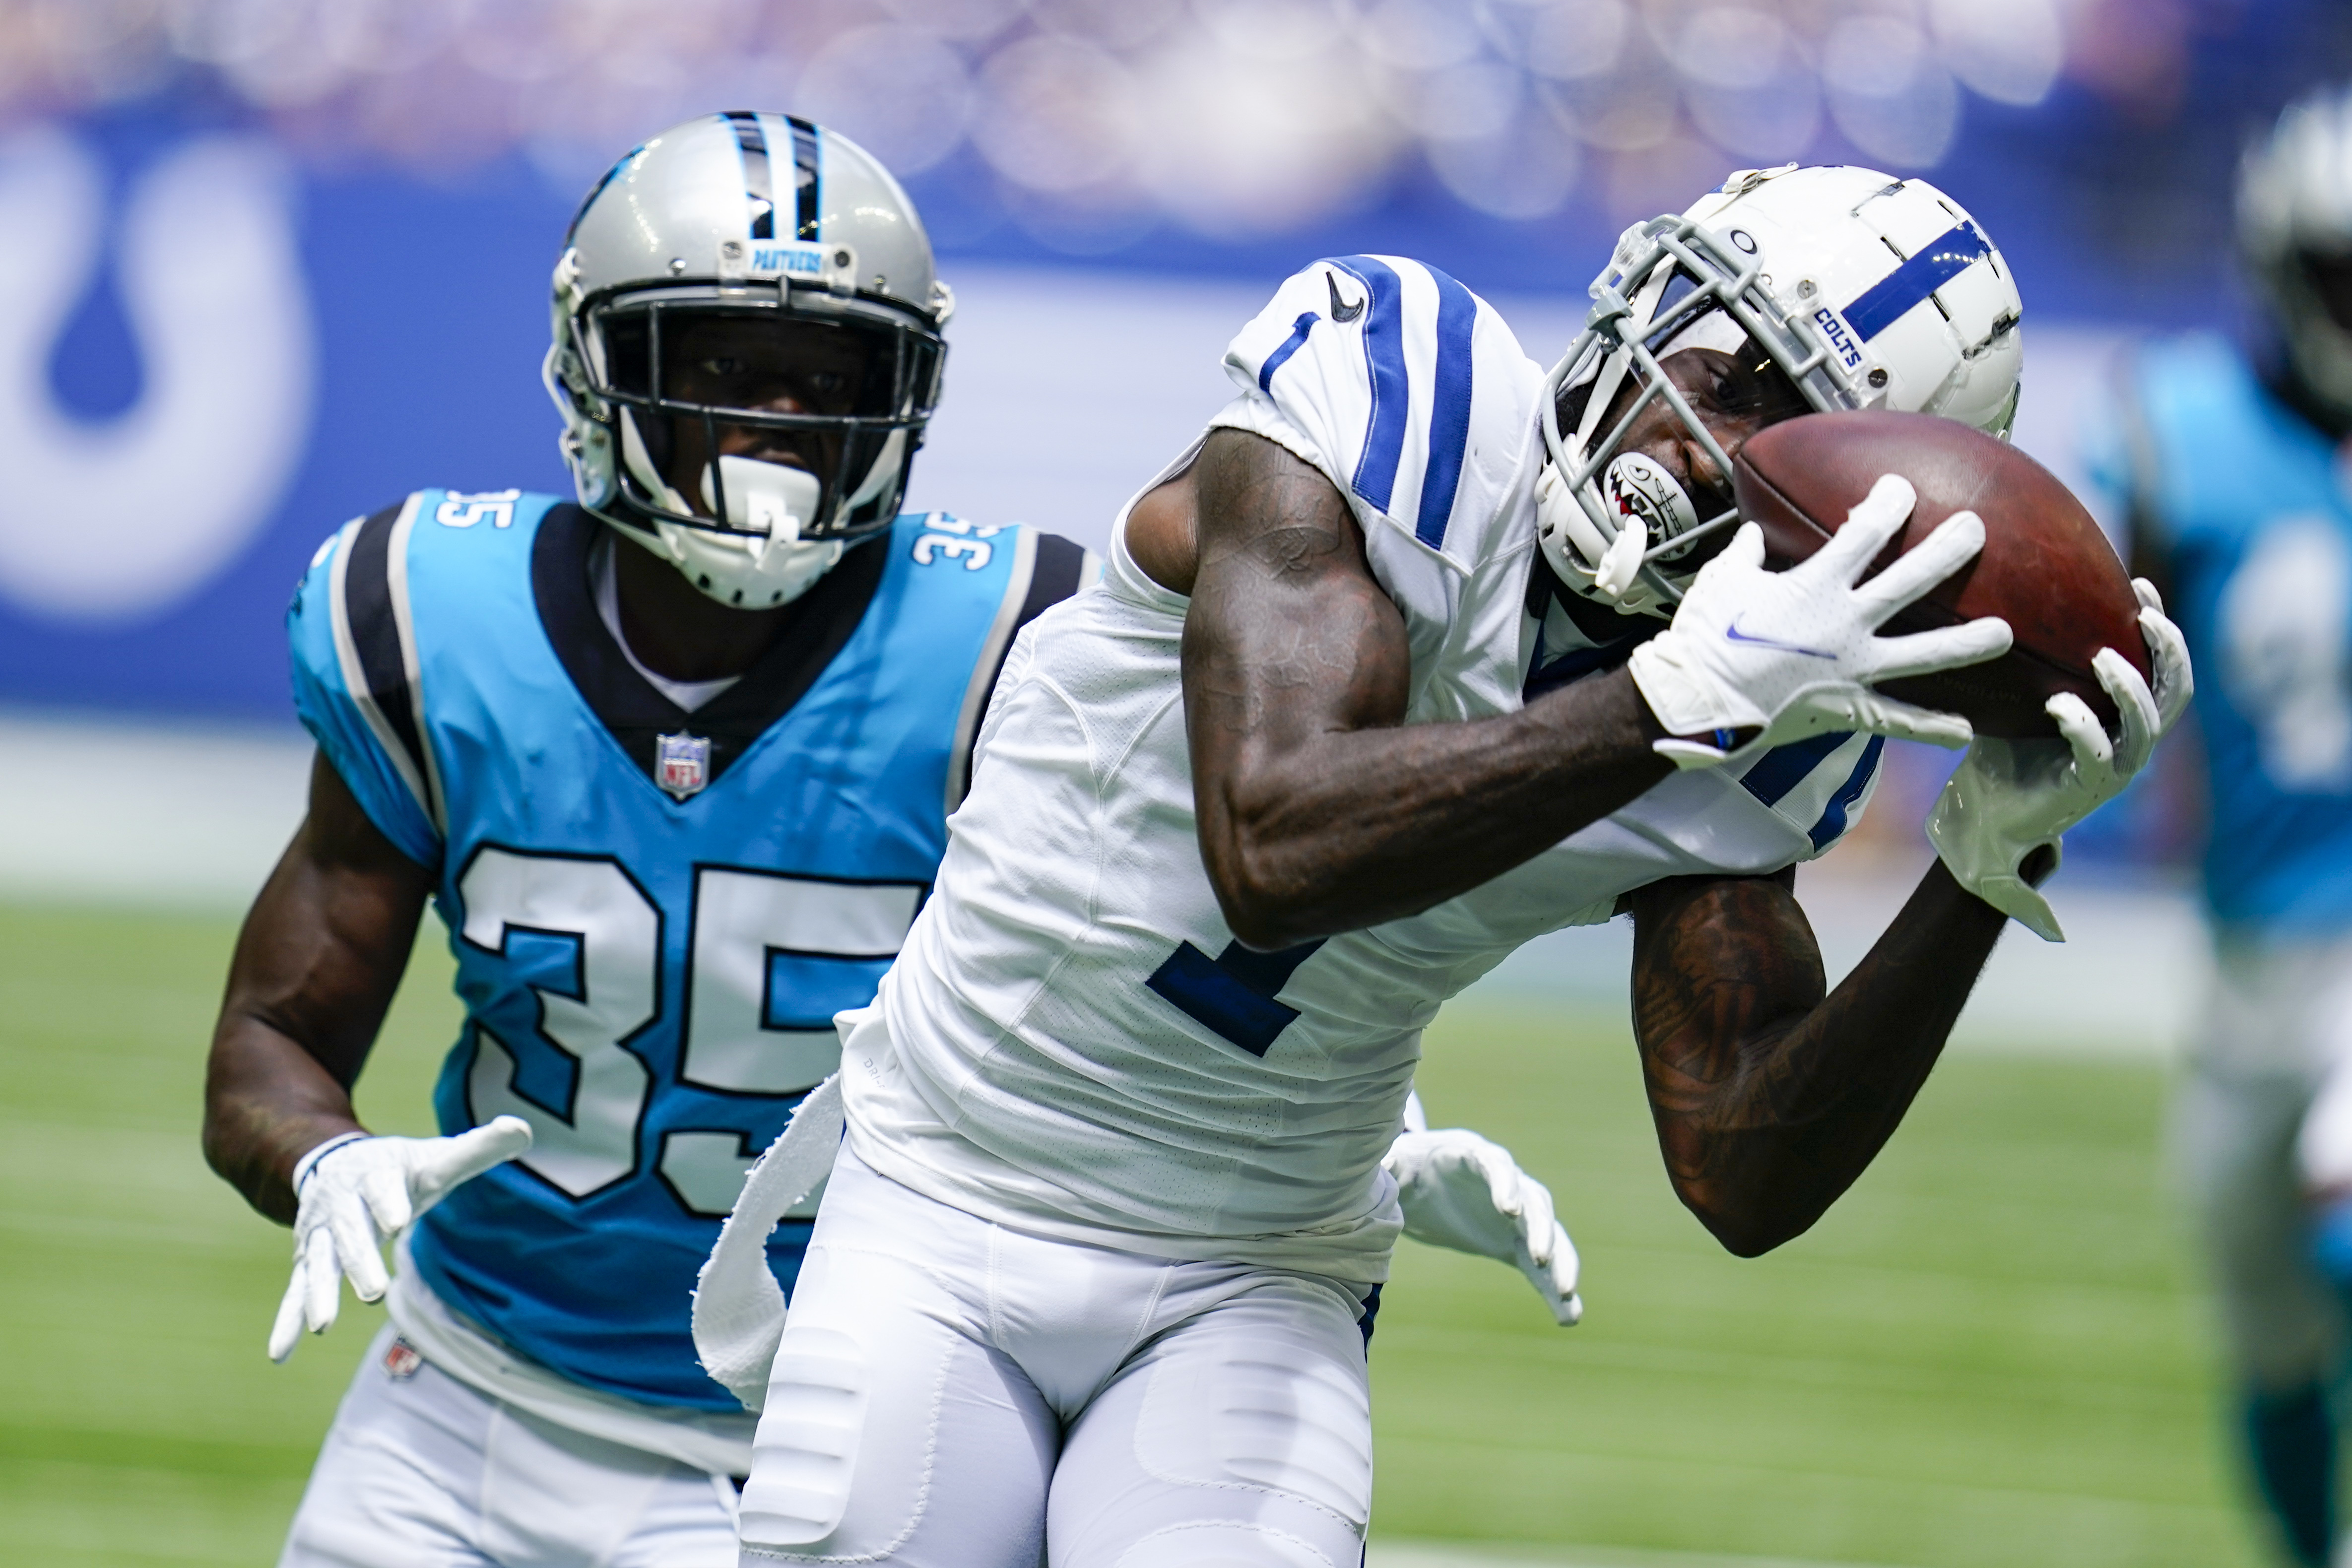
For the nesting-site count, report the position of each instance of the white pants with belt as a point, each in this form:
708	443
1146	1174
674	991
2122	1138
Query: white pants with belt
421	1470
952	1394
2276	1040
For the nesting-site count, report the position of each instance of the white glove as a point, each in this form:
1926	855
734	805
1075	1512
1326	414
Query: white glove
357	1193
2008	798
1461	1191
1792	654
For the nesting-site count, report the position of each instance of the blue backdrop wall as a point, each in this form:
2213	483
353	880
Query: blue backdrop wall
410	322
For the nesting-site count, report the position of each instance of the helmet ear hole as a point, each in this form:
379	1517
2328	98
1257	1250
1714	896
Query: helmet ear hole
1572	402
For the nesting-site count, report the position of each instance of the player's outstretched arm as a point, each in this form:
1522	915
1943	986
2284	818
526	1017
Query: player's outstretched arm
1318	812
1772	1094
1770	1097
322	953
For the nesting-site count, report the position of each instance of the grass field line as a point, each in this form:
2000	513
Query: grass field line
1968	1299
117	1451
1693	1474
1468	1555
1814	1259
1889	1376
96	1230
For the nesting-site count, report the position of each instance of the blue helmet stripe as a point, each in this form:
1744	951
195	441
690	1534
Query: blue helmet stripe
1887	300
1449	409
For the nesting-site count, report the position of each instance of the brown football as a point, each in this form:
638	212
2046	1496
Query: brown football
2045	569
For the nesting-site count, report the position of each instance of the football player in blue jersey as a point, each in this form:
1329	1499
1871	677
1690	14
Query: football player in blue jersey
2231	467
674	762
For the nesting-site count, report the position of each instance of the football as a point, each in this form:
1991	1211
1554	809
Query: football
2045	568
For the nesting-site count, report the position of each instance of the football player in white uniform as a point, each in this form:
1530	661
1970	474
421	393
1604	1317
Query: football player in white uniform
1381	682
489	677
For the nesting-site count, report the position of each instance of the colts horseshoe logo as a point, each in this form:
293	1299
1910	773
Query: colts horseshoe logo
120	521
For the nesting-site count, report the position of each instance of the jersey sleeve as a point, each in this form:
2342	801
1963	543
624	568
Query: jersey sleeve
343	703
1385	375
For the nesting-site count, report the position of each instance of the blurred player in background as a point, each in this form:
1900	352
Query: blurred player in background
2232	469
1380	683
674	761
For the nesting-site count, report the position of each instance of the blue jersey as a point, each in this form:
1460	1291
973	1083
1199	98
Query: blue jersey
2243	497
654	913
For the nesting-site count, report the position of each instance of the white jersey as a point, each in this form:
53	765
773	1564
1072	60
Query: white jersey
1071	1041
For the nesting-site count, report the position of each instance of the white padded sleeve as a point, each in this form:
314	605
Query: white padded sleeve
1410	394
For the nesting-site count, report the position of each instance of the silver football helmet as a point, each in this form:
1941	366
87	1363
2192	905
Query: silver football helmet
733	247
2295	225
1827	288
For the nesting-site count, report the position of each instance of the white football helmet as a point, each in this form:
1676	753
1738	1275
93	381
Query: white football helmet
2295	225
767	235
1859	290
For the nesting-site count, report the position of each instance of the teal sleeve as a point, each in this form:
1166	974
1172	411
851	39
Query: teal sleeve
323	702
2102	453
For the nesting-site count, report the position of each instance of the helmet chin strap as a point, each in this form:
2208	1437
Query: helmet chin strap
765	563
770	500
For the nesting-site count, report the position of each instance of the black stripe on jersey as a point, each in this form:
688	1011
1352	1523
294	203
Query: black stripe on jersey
758	183
630	707
1055	575
804	176
374	622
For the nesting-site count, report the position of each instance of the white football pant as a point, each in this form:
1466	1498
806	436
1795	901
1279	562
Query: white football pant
422	1472
950	1394
2277	1030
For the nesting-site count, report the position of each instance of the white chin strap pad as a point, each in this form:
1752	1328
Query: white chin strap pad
766	562
763	498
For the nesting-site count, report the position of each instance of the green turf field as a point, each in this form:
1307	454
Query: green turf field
1987	1357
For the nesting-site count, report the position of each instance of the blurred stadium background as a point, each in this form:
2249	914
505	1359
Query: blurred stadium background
266	264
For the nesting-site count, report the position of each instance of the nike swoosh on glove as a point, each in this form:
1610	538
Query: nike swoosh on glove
356	1194
1792	654
2008	798
1461	1191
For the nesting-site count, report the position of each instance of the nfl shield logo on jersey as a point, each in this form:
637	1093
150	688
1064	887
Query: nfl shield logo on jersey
681	764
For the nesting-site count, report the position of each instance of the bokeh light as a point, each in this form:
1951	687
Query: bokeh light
1226	117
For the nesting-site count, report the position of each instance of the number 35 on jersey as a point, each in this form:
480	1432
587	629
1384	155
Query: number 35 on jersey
770	958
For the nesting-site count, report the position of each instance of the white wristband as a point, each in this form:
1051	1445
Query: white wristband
309	1162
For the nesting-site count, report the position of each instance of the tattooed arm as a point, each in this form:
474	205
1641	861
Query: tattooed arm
1318	812
1770	1096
